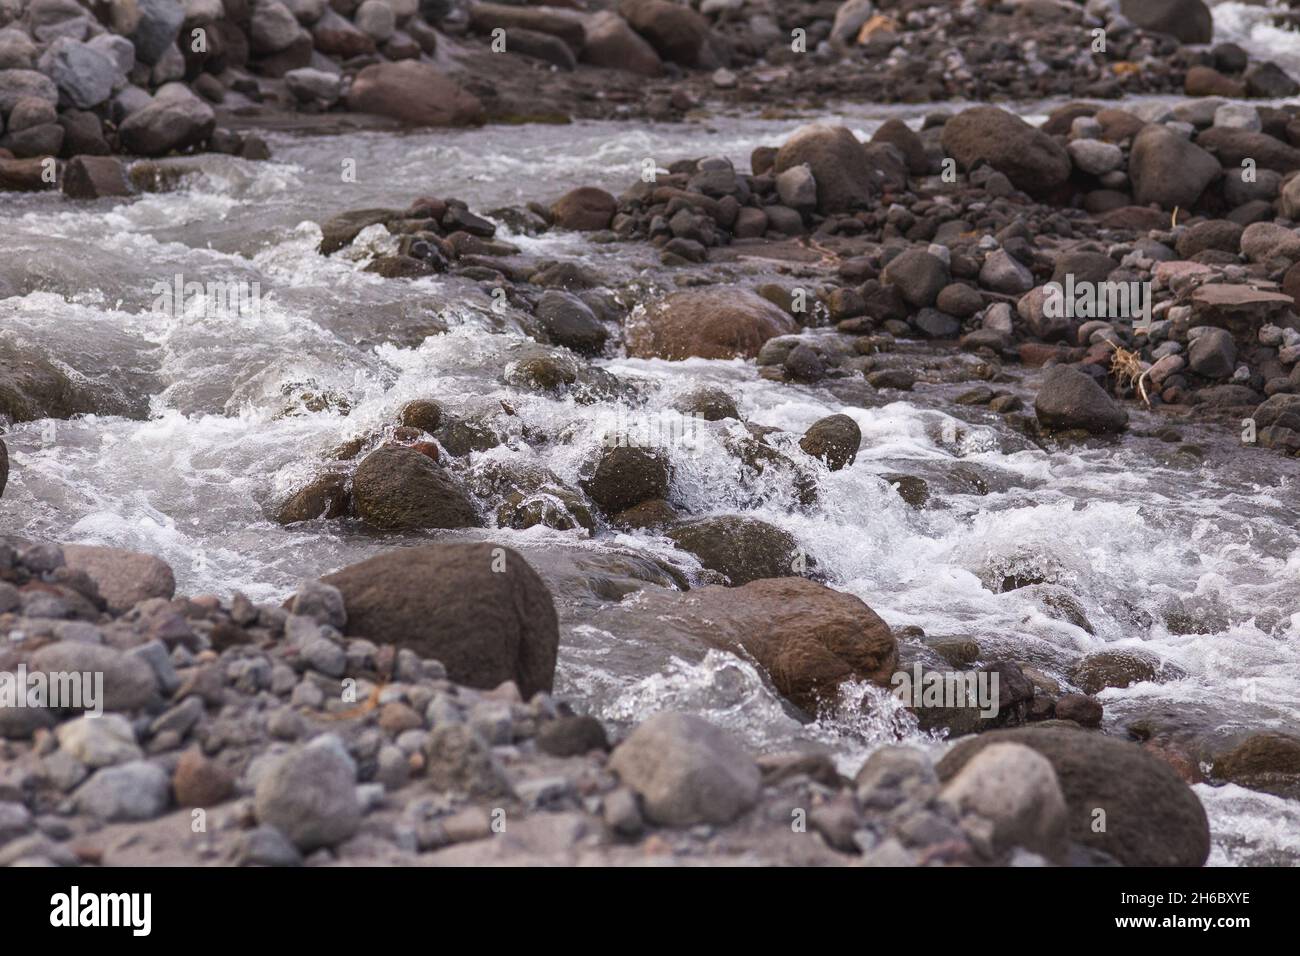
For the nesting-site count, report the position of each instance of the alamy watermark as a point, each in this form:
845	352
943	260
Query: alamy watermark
948	689
56	690
1099	300
219	299
659	430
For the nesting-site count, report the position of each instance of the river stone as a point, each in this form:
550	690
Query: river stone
94	177
1014	788
1032	160
898	134
160	22
18	85
478	608
129	681
199	781
1120	668
1232	146
1002	272
375	18
398	489
273	27
585	209
415	93
687	771
715	323
129	792
166	124
918	276
1188	21
1277	422
1095	157
83	73
677	33
1069	398
742	549
838	164
834	440
613	44
1268	762
124	578
708	402
99	741
1152	817
1262	241
572	736
624	475
1168	169
1213	353
310	795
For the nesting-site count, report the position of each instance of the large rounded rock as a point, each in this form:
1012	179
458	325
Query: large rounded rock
1278	422
1069	398
742	549
156	30
310	795
124	578
834	440
1269	762
809	638
687	771
478	608
613	44
676	32
83	73
33	387
1168	169
919	277
1032	160
1186	20
569	321
717	323
176	122
625	475
1014	788
129	682
414	93
1151	817
398	489
838	163
585	209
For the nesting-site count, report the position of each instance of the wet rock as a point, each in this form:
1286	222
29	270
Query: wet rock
834	440
1032	160
837	162
132	791
1121	668
568	321
1269	81
1188	21
655	513
624	475
326	496
166	124
585	209
1015	788
1277	422
706	323
32	387
687	771
1083	710
707	402
918	276
1169	170
572	736
310	795
398	489
94	177
414	93
478	608
678	33
742	549
1269	762
124	578
1069	398
1152	818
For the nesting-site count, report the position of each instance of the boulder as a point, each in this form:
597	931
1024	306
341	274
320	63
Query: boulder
838	164
1269	762
1169	170
741	549
310	795
33	387
1151	817
918	276
399	489
156	30
834	440
1213	353
478	608
1233	146
94	177
1032	160
714	323
129	681
614	45
18	85
624	475
173	123
486	17
687	771
677	33
898	134
1188	21
83	73
1014	788
124	578
1069	398
585	209
414	93
1262	241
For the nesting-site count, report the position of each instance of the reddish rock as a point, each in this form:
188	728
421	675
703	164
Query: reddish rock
723	322
415	93
586	209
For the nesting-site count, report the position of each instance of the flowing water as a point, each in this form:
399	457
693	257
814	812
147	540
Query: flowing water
1141	533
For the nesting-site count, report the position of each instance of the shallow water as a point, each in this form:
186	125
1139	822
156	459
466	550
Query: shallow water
1129	528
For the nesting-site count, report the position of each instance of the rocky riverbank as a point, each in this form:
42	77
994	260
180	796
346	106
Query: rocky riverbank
398	713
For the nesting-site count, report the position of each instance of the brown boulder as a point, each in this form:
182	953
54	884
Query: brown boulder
585	209
415	93
1032	160
839	165
399	489
92	177
478	608
614	45
706	323
677	32
124	578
